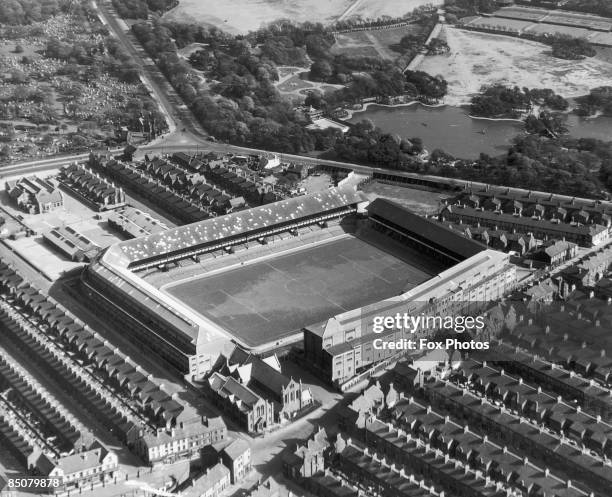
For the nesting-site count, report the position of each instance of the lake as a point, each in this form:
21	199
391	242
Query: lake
598	127
452	130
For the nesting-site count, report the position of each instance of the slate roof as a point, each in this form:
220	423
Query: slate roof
237	448
527	222
82	461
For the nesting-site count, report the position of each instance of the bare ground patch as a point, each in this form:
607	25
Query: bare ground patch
478	59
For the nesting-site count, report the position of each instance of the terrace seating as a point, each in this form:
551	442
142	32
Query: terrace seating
237	227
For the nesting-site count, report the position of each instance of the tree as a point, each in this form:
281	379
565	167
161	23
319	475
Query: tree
510	320
46	140
18	49
494	323
321	70
314	99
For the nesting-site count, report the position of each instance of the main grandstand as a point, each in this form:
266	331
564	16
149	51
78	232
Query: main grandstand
258	277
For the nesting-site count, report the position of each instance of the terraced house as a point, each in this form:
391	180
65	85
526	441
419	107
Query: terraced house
92	467
181	442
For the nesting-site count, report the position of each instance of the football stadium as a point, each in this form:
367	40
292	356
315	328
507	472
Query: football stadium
272	298
261	277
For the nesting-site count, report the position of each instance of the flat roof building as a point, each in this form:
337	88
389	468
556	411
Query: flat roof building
76	246
134	222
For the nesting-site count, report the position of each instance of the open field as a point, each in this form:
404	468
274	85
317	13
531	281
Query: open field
580	20
602	39
477	59
294	83
291	84
513	26
374	43
271	298
186	52
540	21
241	16
500	23
572	31
367	9
556	16
526	13
351	45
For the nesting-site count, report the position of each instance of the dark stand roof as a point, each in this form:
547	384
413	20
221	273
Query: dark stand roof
433	232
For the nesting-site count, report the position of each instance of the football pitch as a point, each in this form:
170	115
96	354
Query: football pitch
275	297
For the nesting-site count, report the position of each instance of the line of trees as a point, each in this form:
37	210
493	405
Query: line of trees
581	167
140	9
600	7
17	12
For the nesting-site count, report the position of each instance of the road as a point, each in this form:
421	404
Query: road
186	133
176	143
189	134
170	102
45	164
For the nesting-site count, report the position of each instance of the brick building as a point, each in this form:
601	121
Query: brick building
237	457
82	469
181	442
556	252
91	187
264	377
250	410
308	459
214	481
34	195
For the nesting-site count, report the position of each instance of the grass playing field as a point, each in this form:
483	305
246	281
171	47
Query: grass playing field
276	297
375	43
